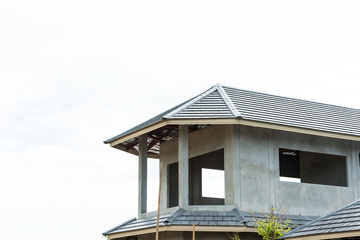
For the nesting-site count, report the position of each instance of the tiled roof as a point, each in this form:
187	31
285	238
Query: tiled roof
220	102
343	220
201	218
294	112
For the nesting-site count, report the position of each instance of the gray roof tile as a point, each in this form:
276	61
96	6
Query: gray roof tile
227	102
343	220
199	218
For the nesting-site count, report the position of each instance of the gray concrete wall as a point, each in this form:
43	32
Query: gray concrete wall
255	176
260	184
251	158
200	142
314	199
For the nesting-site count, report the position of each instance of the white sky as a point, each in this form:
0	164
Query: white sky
75	73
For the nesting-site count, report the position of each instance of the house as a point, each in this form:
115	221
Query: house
257	150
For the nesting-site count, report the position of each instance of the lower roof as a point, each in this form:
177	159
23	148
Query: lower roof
233	218
344	222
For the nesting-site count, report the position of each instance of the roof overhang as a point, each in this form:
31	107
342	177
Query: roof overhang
117	142
178	228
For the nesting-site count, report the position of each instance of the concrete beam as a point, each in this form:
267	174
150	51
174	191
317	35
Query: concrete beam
183	166
142	204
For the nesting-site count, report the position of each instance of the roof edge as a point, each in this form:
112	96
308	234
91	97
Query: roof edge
195	99
228	101
120	225
172	217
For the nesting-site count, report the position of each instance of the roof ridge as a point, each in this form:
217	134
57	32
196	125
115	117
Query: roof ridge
240	217
175	215
120	225
195	99
228	101
296	230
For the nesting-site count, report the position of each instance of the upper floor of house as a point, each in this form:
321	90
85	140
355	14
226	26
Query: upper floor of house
229	148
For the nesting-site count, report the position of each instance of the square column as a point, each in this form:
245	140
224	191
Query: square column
142	201
183	166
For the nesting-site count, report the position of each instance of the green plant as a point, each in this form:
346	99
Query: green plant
269	226
272	225
234	236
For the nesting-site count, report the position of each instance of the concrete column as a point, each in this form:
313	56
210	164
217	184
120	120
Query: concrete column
357	169
273	169
353	170
142	175
237	166
183	166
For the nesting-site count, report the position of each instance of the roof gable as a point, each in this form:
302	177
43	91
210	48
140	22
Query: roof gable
213	103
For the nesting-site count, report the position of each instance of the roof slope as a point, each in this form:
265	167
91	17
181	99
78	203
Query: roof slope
212	103
200	218
294	112
343	220
220	102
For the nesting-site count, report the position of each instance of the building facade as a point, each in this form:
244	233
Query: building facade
228	151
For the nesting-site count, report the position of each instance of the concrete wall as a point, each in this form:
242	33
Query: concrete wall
260	185
251	158
200	142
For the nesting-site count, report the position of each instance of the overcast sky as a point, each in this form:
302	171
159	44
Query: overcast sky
75	73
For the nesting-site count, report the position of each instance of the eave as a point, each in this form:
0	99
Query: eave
117	143
339	235
182	229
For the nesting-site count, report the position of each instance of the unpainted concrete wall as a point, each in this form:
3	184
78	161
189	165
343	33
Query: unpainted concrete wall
251	157
314	199
200	142
260	185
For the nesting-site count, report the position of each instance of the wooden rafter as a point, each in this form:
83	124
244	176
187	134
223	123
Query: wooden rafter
158	139
133	144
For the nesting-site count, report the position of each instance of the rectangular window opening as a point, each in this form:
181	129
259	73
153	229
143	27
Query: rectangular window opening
315	168
212	183
207	179
173	185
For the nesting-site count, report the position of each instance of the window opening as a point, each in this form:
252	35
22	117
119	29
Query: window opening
310	167
212	183
152	184
202	190
173	185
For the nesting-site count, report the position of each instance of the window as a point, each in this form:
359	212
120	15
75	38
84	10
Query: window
310	167
206	179
212	183
173	185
